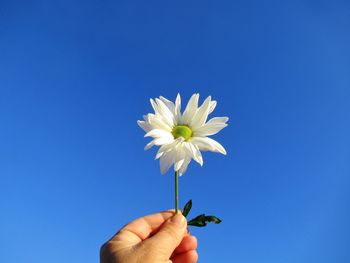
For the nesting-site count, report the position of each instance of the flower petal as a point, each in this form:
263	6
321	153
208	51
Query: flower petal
201	115
208	144
178	116
163	140
155	107
149	145
209	129
168	147
169	104
144	125
166	161
178	164
212	106
218	120
191	109
184	166
194	152
158	133
166	114
180	155
157	123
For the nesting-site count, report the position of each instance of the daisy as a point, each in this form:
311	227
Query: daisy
182	136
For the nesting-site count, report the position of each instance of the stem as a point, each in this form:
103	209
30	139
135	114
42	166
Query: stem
176	192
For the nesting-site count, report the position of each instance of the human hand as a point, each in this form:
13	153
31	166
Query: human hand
156	238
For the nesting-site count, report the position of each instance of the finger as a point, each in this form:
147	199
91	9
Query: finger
188	243
187	257
141	228
168	237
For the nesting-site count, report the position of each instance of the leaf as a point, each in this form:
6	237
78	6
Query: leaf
187	208
213	219
197	221
201	220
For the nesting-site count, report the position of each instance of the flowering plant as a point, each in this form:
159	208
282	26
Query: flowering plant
182	137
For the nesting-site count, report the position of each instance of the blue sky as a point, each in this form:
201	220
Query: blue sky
76	75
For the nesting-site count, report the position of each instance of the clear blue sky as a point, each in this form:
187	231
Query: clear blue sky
76	75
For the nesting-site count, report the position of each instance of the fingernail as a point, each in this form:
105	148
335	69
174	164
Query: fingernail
178	220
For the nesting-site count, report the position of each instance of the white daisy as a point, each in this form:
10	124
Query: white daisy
182	136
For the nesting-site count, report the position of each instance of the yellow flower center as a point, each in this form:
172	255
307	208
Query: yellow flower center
182	131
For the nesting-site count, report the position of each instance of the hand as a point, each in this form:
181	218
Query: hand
156	238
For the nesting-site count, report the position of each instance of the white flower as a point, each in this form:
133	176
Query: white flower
182	136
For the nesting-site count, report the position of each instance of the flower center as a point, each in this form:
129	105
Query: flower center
182	131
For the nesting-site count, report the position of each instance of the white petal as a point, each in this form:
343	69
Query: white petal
166	161
168	147
166	114
180	155
144	125
209	129
163	108
149	145
202	143
162	149
159	142
178	164
158	133
194	152
218	120
201	115
218	147
178	116
212	106
157	123
163	140
191	109
208	144
169	104
199	157
184	166
154	106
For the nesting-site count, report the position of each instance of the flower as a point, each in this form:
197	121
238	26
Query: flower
182	136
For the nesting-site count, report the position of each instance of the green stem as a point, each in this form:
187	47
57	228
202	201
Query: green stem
176	192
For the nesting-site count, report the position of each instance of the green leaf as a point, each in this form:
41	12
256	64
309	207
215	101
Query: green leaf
187	208
201	220
197	221
213	219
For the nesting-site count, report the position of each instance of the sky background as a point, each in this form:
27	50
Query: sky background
76	75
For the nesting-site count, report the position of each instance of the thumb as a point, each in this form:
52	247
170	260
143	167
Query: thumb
168	237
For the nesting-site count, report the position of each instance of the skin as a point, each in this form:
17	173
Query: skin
158	238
